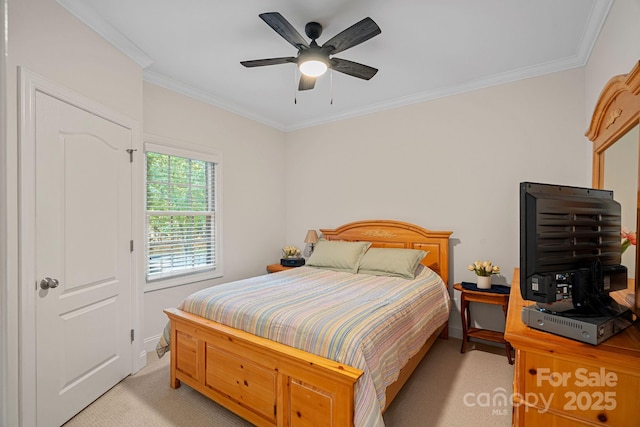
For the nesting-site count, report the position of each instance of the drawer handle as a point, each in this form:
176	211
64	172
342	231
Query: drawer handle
533	371
602	418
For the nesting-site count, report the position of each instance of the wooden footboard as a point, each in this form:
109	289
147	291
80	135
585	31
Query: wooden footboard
268	383
265	382
262	381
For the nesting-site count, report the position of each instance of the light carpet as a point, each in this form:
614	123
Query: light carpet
448	389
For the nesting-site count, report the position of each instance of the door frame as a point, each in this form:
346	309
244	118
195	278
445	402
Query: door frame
30	84
4	249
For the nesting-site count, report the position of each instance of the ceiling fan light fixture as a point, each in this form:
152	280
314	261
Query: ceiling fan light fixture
313	67
312	60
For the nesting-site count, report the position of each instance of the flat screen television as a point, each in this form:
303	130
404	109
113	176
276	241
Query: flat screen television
569	248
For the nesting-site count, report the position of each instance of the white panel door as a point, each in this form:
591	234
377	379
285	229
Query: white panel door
83	259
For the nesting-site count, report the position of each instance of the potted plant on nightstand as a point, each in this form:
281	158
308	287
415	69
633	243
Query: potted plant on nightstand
291	257
484	270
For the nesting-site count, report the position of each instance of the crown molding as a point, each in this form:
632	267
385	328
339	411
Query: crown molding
597	17
90	17
200	95
495	80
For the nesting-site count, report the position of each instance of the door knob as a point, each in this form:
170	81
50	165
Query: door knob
48	282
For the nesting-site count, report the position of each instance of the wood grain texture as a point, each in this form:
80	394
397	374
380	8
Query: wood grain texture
617	112
250	375
397	234
543	358
274	268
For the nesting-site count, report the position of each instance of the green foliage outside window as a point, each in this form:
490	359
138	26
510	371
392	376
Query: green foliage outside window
177	241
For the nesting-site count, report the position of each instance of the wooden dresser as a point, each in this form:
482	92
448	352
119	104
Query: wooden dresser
562	382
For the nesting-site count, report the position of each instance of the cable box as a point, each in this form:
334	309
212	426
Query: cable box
588	329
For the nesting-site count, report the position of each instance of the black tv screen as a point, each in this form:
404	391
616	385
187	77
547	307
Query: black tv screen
569	246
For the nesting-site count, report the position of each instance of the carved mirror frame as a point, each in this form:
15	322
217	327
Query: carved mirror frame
617	112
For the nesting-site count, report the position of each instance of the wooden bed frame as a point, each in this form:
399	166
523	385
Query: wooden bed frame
268	383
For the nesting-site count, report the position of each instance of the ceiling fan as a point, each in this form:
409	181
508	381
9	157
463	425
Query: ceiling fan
313	60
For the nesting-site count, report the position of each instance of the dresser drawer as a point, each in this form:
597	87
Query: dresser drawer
532	417
592	393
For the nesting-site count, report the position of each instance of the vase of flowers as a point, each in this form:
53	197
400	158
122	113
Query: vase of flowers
484	270
628	239
290	252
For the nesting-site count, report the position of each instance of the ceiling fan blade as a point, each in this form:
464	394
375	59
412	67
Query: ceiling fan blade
306	82
354	69
268	61
358	33
284	28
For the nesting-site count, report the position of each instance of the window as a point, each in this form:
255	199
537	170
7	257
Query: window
181	216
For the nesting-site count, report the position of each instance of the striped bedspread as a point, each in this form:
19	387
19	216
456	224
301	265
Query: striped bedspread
369	322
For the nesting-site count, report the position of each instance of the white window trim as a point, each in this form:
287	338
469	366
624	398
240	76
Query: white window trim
193	151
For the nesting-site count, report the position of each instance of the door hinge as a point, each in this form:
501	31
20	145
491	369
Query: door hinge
130	151
130	245
132	335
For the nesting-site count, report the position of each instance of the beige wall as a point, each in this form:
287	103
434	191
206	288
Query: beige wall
455	163
614	53
4	318
616	50
253	197
451	164
47	40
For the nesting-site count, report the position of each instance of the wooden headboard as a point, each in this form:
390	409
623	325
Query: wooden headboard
396	234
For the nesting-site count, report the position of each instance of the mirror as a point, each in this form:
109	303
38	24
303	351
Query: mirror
615	132
619	169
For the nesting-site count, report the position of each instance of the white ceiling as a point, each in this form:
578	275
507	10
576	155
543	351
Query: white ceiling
427	49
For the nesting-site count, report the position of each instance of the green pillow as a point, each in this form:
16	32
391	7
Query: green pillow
338	255
394	262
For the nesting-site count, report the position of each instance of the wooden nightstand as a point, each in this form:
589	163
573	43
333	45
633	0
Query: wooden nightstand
273	268
484	297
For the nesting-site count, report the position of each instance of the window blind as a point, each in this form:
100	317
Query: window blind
180	215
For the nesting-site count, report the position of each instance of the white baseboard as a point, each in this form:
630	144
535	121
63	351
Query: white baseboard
151	342
141	362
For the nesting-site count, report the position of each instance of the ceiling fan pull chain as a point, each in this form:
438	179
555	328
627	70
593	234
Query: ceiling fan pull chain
331	87
295	91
